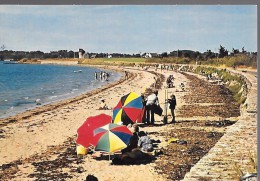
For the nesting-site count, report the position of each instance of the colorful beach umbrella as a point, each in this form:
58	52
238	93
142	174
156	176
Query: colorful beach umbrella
85	131
128	110
111	138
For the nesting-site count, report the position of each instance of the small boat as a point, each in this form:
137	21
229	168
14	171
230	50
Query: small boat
10	62
77	71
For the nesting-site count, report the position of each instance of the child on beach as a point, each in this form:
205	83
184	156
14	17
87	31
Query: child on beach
103	105
145	142
172	103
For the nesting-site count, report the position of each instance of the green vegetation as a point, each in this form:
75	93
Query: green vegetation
235	83
113	61
174	60
124	60
228	61
233	61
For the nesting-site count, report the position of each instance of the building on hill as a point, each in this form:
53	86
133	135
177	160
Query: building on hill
147	55
81	53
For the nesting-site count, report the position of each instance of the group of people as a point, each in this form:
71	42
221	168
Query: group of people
167	67
169	81
139	140
138	148
102	76
152	106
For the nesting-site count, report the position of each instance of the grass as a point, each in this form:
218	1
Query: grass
232	81
123	60
175	60
113	61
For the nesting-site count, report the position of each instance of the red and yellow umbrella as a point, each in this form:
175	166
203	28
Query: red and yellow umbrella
85	131
129	109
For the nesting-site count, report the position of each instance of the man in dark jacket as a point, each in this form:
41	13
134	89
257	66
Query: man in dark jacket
172	103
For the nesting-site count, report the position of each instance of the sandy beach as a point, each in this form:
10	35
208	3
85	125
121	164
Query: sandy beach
45	134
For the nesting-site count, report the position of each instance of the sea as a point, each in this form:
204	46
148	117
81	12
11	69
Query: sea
26	86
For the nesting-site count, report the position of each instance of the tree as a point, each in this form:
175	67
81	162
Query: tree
179	53
243	50
222	52
186	55
209	54
197	55
164	54
235	51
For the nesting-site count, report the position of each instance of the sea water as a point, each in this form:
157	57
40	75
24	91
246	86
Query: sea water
26	86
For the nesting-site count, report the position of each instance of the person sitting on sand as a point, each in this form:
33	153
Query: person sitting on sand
169	81
103	105
144	142
133	140
132	157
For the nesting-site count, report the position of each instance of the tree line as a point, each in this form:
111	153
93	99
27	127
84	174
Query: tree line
222	52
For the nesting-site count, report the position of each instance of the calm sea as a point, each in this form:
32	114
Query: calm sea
22	86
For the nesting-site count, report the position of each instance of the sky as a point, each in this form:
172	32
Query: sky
128	28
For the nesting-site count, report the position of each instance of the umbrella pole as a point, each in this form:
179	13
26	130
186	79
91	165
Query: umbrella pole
109	156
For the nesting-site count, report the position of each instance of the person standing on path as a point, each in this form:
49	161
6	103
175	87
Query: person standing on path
152	100
126	75
172	103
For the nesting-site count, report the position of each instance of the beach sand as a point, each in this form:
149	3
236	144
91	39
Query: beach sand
38	137
53	126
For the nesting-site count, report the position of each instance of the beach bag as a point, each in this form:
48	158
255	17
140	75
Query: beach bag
157	109
81	150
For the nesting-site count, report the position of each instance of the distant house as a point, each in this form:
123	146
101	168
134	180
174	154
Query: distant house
109	56
93	56
86	55
137	55
81	53
154	54
147	55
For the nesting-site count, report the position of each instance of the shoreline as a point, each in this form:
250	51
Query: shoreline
53	105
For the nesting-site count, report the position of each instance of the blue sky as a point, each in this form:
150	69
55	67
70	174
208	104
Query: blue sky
128	29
